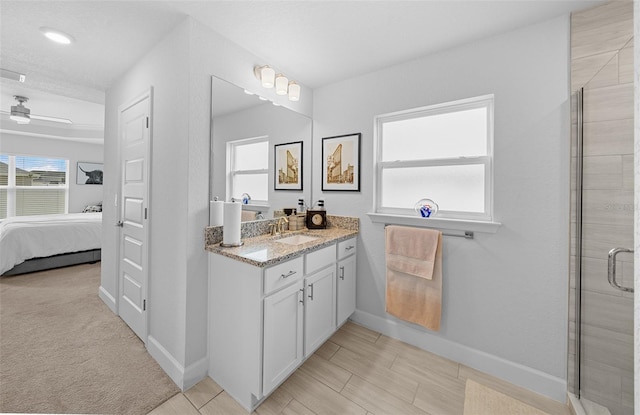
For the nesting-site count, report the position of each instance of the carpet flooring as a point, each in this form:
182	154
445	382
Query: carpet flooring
63	351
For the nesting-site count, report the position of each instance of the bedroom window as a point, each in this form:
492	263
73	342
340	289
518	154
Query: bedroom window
442	152
248	169
31	185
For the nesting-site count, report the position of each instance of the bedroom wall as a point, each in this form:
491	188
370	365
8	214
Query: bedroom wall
74	151
505	297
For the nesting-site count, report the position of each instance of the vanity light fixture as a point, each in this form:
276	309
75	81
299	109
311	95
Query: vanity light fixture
282	84
57	35
294	91
268	78
266	75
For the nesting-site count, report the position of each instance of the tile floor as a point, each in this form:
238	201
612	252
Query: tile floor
360	371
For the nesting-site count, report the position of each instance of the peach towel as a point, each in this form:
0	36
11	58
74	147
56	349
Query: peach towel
414	275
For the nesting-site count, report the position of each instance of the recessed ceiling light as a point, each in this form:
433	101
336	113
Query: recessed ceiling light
57	36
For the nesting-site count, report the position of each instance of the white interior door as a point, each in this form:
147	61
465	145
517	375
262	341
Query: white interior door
135	143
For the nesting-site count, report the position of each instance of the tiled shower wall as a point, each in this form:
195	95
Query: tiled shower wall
602	63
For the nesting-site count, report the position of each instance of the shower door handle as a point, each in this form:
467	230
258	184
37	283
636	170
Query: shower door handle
612	269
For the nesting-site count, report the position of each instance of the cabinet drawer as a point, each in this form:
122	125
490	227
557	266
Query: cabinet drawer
282	274
321	258
346	248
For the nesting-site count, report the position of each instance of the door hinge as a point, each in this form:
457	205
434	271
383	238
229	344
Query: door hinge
147	122
144	305
145	213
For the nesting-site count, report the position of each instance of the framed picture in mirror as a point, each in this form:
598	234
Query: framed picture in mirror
341	162
288	166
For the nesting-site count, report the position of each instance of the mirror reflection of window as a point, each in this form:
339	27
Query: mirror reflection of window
248	169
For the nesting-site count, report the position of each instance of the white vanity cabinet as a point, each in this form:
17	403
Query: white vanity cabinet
283	334
346	281
320	301
283	321
264	322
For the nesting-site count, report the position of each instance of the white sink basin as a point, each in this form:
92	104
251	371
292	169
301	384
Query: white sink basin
296	239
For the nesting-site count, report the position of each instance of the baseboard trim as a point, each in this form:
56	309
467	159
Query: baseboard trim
183	378
195	372
166	361
108	299
520	375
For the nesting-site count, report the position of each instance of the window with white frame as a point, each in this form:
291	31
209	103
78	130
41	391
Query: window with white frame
31	185
441	152
248	169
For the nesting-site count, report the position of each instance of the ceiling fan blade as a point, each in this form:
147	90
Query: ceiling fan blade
53	119
44	118
14	76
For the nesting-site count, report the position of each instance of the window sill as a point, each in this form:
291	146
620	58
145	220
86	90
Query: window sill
436	223
255	207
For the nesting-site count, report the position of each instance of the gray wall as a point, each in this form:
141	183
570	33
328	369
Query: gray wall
179	69
164	69
505	294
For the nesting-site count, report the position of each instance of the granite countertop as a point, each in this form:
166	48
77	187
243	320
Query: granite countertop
264	251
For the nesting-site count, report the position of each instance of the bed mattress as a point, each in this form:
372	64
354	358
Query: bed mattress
27	237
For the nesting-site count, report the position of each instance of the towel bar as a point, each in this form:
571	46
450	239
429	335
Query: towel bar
465	235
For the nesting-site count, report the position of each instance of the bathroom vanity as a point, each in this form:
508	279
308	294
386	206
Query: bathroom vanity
273	302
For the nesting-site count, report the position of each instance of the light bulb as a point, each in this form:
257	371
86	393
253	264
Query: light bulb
282	84
294	91
57	36
267	76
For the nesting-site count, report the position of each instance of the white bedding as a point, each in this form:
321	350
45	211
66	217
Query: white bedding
27	237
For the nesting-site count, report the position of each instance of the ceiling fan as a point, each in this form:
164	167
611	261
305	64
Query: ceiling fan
22	115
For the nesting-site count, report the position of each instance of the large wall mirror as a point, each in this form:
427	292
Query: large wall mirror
245	133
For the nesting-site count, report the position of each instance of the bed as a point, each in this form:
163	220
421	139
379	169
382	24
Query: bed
35	243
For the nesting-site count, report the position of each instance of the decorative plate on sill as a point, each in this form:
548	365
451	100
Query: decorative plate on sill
426	208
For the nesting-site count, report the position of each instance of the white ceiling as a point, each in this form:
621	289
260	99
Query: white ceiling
314	42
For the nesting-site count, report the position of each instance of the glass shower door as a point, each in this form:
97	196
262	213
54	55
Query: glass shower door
606	257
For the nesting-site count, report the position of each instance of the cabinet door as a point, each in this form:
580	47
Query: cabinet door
319	313
346	289
283	335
